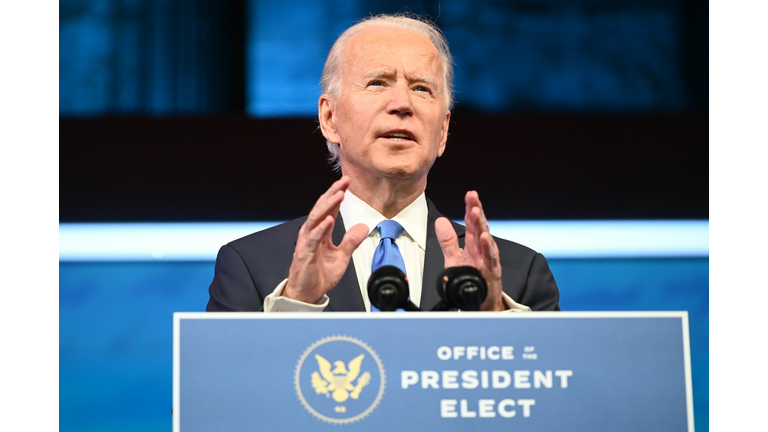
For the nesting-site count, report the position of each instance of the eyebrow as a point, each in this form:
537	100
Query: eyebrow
376	73
426	80
383	73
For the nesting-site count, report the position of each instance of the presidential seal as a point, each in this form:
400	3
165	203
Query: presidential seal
339	379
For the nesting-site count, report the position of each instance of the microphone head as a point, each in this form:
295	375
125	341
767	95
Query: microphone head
462	288
388	288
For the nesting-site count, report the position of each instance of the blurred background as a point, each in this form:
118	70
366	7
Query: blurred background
176	112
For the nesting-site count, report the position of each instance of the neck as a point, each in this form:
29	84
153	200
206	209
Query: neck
387	196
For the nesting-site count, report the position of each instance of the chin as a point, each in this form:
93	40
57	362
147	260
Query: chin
402	172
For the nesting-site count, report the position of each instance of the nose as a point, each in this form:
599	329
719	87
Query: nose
400	102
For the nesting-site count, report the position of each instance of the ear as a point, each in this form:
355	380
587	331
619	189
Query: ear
325	111
444	133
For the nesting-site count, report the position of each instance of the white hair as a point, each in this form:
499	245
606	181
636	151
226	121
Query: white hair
331	81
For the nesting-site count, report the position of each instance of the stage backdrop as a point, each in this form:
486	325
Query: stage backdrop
115	327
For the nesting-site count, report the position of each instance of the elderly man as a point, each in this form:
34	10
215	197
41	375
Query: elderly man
385	112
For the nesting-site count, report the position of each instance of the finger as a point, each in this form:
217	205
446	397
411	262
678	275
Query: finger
327	204
472	234
318	234
490	253
475	220
479	222
446	236
353	238
492	273
340	186
474	208
472	198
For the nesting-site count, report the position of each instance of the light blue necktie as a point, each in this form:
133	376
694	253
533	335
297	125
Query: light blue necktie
387	253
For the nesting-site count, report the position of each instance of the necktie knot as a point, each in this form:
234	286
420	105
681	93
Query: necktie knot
387	253
389	229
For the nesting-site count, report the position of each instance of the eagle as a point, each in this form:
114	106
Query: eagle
337	383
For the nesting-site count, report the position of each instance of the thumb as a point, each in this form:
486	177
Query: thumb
446	236
353	238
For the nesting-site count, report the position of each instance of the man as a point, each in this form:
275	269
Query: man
385	112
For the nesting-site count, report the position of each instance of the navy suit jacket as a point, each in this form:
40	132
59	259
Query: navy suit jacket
249	269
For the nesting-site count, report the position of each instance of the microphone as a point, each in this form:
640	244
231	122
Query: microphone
388	290
461	288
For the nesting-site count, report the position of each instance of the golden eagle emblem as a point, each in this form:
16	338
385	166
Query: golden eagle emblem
339	382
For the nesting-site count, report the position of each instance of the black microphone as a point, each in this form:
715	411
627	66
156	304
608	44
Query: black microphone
388	290
461	288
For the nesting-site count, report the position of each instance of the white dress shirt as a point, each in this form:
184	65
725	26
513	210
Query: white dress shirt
412	243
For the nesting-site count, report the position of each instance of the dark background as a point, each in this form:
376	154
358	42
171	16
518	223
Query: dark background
525	166
205	111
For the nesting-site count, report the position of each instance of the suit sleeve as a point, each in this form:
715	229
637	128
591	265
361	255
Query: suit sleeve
232	288
541	292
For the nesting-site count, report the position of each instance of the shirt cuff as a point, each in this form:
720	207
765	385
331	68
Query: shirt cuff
275	302
513	306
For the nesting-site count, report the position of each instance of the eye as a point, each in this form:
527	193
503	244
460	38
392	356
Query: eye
422	88
376	83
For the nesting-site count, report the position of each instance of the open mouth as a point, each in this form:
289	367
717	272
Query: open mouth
398	136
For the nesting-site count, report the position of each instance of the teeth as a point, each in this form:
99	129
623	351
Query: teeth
399	135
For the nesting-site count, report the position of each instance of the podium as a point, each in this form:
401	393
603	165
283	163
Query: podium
447	371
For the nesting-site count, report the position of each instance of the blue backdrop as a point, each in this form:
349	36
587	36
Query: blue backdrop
264	57
116	328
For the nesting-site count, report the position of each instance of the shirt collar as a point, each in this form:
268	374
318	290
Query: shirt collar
413	218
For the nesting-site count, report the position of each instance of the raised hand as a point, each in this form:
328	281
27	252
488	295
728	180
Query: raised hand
480	250
318	264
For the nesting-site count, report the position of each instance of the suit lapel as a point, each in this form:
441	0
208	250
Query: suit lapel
434	262
346	295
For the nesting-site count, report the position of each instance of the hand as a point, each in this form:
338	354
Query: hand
480	250
318	264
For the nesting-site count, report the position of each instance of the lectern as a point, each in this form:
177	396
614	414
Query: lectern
446	371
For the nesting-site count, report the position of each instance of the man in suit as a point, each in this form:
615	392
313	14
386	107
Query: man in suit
385	112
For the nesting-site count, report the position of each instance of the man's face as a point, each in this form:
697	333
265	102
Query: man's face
390	117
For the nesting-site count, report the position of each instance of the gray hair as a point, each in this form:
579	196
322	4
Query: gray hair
331	80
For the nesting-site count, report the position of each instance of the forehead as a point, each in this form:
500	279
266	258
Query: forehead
391	48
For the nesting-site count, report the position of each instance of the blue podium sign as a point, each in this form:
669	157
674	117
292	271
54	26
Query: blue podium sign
542	371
